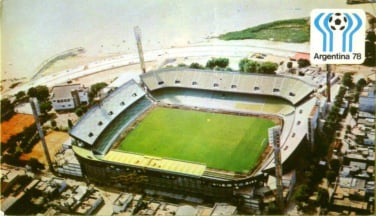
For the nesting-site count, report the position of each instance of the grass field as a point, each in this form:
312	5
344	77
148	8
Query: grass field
220	141
293	30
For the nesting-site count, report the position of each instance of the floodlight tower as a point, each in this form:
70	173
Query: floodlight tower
328	70
274	139
137	34
36	112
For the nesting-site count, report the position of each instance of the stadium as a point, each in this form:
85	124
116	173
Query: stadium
197	133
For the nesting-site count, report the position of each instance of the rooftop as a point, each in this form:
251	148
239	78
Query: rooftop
64	91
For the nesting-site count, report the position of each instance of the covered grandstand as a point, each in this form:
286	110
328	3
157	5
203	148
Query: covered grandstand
289	88
104	125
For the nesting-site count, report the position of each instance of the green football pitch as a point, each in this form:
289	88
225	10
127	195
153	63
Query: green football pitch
221	141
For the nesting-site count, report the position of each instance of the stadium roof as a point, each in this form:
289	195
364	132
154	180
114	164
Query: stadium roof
92	124
156	163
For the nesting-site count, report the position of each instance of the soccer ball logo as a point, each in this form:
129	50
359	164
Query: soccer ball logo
338	22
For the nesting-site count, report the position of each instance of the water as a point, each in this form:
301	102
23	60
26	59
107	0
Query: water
35	30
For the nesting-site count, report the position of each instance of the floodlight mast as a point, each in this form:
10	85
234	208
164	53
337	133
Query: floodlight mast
137	34
36	112
274	140
328	75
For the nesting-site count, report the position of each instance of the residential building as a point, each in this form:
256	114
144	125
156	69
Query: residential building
367	99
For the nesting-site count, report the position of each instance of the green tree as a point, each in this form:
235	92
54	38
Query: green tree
35	165
302	193
45	107
217	62
32	92
70	123
331	175
361	84
353	110
335	164
53	123
79	112
347	80
268	67
323	197
40	92
303	63
289	65
6	106
222	62
43	93
211	63
196	65
242	64
252	66
20	95
95	88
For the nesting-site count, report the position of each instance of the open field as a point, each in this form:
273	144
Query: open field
220	141
293	31
15	125
54	141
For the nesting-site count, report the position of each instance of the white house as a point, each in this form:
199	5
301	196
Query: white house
67	97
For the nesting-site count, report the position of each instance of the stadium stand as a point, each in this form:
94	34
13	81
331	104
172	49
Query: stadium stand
289	88
92	124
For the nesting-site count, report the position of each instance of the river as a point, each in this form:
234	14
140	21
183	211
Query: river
33	31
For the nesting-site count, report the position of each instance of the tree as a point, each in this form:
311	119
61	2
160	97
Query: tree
303	63
53	123
347	80
42	93
70	124
302	193
35	165
210	64
331	175
289	65
6	106
222	62
217	62
251	66
353	110
370	48
32	92
20	95
323	197
45	107
361	84
242	64
196	65
268	67
95	88
335	164
79	112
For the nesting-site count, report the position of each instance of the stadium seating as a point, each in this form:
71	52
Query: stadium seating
92	124
289	88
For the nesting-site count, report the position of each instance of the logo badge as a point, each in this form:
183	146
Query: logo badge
337	36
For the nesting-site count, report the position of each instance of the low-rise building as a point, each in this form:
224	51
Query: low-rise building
122	202
68	97
367	99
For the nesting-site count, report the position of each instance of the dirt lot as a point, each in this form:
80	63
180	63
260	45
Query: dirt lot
54	141
15	125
